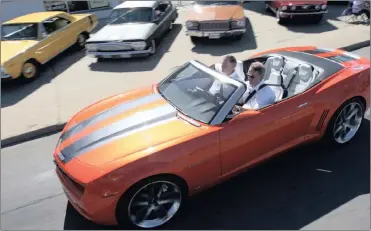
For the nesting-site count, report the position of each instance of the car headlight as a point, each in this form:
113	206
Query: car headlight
324	7
191	25
318	7
239	23
139	45
92	47
284	8
293	7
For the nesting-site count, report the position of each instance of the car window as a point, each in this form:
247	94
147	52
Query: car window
131	15
54	24
187	89
19	31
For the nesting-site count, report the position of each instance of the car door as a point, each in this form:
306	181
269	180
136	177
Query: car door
163	18
256	134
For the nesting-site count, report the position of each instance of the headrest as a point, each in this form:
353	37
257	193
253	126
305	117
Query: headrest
305	72
276	62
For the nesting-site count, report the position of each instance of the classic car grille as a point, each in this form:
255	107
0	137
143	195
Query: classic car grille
303	9
215	26
114	47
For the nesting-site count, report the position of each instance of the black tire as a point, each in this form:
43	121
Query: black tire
317	18
81	41
329	137
195	40
34	74
239	37
279	19
122	213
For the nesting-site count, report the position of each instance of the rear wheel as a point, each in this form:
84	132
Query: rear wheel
345	123
151	203
81	41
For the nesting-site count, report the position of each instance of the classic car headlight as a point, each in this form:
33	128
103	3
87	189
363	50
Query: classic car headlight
323	7
293	7
138	45
92	47
191	25
318	7
238	23
284	8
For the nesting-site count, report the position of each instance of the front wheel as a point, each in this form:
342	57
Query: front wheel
30	70
345	123
151	203
317	18
81	41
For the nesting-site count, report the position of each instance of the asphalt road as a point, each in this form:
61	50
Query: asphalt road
308	188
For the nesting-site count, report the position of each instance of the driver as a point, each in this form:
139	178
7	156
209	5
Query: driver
257	94
227	67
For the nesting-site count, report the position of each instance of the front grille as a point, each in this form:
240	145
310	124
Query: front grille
114	47
214	26
303	9
79	189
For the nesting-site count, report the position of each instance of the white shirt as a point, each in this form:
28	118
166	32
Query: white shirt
262	97
216	87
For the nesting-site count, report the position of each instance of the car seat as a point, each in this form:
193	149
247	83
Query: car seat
301	81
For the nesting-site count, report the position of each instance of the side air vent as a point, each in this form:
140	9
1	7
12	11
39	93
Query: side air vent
322	119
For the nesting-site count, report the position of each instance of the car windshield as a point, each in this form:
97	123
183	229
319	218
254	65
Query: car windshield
131	15
210	3
188	89
21	31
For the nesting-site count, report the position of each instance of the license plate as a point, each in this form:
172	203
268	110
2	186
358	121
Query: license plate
214	35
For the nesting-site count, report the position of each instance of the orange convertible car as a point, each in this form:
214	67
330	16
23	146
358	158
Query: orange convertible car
134	158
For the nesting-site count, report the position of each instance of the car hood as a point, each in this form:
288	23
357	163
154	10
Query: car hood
129	31
205	13
10	49
118	127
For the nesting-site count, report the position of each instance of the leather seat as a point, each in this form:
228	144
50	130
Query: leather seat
273	64
288	72
301	81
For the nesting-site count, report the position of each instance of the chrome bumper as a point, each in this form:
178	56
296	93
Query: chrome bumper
215	34
117	54
297	13
4	75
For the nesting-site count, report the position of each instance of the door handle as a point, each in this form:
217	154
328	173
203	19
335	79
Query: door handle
303	105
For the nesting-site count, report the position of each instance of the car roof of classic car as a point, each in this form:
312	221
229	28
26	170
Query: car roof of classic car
36	17
131	4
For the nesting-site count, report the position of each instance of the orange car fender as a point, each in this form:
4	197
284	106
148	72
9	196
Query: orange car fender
192	159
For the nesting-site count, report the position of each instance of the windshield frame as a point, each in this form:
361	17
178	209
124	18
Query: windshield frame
17	24
130	9
224	110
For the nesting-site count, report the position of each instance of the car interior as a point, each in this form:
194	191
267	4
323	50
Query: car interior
287	77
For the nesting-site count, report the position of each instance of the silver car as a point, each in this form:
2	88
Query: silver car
133	30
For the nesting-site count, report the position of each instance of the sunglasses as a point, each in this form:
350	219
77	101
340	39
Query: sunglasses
250	76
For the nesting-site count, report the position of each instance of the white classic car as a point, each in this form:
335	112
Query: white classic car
134	29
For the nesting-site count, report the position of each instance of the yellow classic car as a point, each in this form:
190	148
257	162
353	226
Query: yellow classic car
29	41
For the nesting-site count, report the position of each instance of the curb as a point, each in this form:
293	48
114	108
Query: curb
53	129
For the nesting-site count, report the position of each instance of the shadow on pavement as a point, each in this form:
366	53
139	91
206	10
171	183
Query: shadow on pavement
286	193
227	45
138	64
15	91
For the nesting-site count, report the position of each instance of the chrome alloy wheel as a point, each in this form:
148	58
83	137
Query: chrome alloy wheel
81	40
154	204
348	122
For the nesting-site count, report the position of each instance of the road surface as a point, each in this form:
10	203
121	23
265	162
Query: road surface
307	188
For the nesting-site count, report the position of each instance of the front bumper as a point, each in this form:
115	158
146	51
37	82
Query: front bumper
287	14
92	207
4	74
119	54
215	34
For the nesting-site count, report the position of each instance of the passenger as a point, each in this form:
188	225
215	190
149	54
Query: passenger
257	94
227	67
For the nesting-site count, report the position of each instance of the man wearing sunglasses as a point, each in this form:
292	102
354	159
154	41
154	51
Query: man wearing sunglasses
257	94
